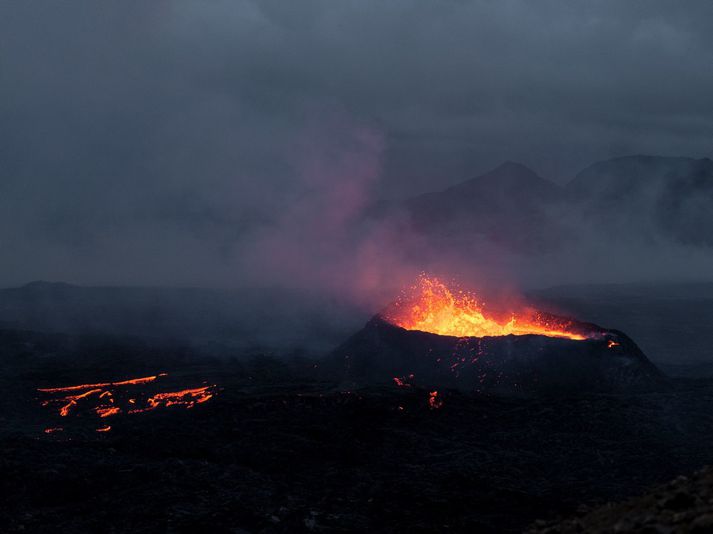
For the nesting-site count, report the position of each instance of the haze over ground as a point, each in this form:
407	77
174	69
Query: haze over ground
236	144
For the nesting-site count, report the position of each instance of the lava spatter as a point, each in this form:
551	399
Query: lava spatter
431	306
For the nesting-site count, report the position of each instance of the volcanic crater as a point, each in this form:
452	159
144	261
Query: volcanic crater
436	337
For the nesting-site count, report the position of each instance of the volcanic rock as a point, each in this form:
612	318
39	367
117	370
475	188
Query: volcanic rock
683	505
606	361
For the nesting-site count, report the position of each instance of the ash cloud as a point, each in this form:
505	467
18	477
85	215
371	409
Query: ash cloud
240	143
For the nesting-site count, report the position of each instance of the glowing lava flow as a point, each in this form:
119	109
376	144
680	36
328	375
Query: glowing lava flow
185	397
107	399
432	307
131	381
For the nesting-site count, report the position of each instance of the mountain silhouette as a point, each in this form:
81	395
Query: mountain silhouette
510	205
644	198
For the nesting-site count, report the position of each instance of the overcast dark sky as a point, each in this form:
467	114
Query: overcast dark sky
144	141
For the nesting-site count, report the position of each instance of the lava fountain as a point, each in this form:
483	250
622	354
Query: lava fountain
431	306
435	336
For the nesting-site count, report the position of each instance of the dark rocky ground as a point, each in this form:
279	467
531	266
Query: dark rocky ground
683	505
279	451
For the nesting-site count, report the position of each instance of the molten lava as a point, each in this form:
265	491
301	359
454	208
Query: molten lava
403	381
434	400
108	411
107	399
131	381
431	306
185	397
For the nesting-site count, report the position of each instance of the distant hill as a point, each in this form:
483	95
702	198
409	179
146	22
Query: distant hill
510	205
644	198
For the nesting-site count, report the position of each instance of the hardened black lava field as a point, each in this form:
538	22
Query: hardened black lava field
278	450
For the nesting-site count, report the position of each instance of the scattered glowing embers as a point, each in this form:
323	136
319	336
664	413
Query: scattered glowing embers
107	399
431	306
403	381
435	401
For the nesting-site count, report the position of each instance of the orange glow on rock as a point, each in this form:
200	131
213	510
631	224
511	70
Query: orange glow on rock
431	306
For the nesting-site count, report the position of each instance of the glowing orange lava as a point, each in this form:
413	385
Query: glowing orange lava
432	307
107	399
434	400
107	412
185	397
403	381
131	381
